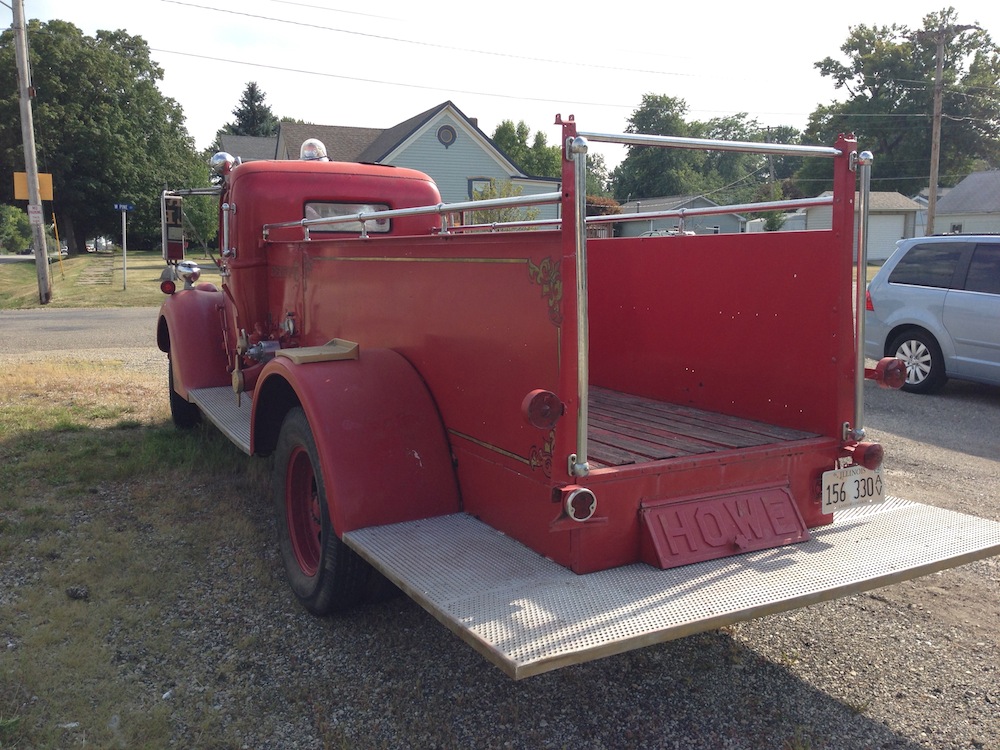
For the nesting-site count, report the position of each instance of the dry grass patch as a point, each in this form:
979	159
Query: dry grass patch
108	517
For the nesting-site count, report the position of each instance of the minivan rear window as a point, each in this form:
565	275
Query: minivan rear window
984	270
931	264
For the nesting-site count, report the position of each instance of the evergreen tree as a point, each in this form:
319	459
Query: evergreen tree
253	116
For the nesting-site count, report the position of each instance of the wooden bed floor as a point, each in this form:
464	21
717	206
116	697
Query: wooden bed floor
626	429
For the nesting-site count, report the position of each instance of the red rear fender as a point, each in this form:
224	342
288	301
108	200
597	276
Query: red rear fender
383	448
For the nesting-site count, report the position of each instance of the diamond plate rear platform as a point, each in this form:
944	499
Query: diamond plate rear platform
529	615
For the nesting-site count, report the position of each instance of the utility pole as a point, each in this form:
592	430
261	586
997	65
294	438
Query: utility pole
30	160
939	36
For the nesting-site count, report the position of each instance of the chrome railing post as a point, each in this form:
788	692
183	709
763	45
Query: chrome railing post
864	162
577	148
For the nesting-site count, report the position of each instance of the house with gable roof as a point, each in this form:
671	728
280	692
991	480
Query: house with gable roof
971	207
441	142
248	147
725	223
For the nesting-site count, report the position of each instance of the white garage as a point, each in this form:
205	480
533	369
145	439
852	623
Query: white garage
891	217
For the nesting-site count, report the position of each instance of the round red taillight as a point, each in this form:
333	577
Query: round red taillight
168	286
542	409
869	455
890	372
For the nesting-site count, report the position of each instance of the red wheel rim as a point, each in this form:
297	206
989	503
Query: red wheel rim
302	509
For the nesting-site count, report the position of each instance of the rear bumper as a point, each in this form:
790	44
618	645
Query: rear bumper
528	615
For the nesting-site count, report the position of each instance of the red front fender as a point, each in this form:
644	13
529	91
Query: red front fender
189	329
383	449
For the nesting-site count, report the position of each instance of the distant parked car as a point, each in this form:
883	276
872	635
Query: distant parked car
935	304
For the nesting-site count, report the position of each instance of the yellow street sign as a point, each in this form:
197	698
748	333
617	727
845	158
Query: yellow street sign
21	186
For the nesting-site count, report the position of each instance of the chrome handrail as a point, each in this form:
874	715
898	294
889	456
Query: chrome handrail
440	208
493	226
737	208
710	144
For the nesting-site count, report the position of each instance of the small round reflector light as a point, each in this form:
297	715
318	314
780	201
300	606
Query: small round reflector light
168	286
869	455
579	503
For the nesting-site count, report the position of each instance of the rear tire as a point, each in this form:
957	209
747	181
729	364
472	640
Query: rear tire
185	415
924	361
325	574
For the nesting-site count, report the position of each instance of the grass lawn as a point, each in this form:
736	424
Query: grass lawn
105	525
91	280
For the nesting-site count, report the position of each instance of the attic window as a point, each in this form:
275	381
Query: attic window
446	135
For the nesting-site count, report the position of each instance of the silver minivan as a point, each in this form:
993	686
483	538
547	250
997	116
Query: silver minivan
935	304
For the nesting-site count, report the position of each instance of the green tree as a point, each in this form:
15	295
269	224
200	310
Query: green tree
102	129
499	189
649	171
15	229
726	177
538	160
889	77
253	116
598	176
542	160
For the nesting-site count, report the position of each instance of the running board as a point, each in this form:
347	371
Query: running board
220	407
528	615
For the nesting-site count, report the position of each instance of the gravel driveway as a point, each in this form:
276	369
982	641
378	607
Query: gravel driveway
913	665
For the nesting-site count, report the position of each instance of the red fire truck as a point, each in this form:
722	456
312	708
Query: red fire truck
562	446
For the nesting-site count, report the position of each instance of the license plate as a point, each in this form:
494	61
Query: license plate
852	486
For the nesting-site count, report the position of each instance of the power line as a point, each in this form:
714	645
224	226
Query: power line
518	97
418	43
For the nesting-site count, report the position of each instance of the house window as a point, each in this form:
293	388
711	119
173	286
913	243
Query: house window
477	185
956	228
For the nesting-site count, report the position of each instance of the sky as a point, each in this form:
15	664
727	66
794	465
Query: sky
377	64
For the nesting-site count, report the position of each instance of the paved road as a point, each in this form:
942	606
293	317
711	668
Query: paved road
52	329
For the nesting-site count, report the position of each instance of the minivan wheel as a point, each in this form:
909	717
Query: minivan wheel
924	361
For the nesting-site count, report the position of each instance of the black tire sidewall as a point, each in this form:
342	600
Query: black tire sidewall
184	415
340	574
